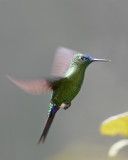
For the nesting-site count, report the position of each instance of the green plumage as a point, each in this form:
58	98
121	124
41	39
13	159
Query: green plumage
64	88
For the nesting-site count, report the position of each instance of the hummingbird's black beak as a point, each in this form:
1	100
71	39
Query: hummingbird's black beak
100	60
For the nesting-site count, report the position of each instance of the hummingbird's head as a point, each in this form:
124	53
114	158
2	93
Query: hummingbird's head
81	59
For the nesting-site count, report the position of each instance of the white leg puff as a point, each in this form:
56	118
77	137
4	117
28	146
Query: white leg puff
65	106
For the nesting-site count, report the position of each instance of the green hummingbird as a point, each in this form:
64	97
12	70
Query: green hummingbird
67	77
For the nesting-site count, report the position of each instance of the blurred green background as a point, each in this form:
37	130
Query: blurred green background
30	32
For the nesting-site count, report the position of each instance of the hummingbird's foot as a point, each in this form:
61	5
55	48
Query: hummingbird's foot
65	106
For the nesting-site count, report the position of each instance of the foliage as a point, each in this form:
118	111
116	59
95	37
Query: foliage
114	125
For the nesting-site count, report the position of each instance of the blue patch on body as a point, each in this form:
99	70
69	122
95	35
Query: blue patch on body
52	108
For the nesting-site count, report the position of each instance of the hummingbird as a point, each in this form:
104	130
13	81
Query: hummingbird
65	83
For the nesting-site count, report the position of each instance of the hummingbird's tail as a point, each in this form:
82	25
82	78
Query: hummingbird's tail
51	115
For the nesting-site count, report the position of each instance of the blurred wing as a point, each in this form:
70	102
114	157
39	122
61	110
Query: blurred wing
36	86
62	61
115	125
116	147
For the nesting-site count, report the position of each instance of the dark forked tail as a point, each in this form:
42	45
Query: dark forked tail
48	123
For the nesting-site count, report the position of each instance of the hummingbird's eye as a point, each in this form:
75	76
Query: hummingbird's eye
83	58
